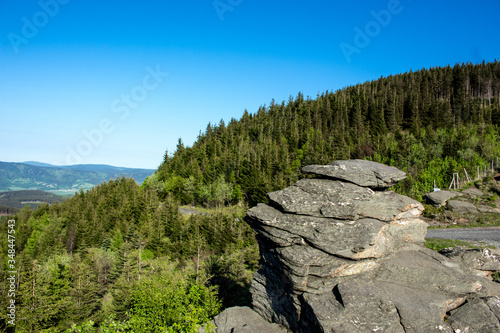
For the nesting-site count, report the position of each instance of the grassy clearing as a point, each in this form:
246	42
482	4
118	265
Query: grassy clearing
238	210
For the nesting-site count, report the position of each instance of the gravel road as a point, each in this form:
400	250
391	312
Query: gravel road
488	235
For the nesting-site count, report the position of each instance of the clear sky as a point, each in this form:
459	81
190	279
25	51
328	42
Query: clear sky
119	82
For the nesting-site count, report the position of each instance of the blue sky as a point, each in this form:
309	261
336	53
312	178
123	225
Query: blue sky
119	82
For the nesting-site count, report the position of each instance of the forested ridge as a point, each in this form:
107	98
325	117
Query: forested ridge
60	179
12	201
430	123
122	257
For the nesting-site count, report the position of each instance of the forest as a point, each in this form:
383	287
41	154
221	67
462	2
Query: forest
118	257
121	257
429	123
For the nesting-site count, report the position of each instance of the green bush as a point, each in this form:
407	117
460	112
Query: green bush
165	302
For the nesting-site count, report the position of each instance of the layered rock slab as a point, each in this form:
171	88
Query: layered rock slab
341	253
360	172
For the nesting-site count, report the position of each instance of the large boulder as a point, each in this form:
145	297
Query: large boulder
440	198
360	172
342	253
241	319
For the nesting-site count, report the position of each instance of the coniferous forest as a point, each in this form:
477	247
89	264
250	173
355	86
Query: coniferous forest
121	257
429	123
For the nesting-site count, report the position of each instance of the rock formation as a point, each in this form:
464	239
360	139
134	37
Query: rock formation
439	198
342	253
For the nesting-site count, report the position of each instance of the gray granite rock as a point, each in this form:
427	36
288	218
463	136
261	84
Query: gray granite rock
461	206
439	198
474	192
474	316
321	198
421	271
369	306
242	320
340	200
494	305
329	235
355	306
338	256
361	172
480	262
420	311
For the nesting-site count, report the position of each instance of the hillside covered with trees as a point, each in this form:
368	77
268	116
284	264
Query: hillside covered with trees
13	201
117	256
430	123
121	257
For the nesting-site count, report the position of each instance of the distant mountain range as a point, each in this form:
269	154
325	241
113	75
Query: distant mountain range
62	179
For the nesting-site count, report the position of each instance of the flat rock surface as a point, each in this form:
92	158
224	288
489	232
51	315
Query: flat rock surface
242	320
321	197
474	316
461	206
439	198
361	172
494	305
480	262
473	191
421	271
